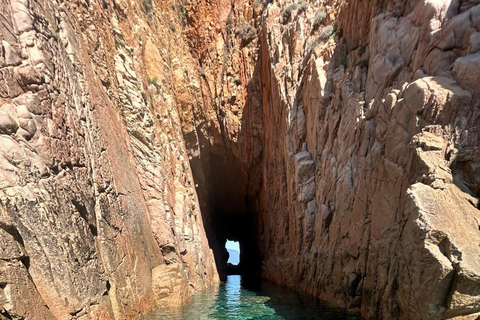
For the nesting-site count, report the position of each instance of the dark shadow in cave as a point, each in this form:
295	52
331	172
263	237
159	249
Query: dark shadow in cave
227	192
240	228
226	209
227	169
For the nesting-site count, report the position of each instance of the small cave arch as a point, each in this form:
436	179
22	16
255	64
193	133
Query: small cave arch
239	228
227	197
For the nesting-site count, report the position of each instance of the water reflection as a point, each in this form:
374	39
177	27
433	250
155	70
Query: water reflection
233	301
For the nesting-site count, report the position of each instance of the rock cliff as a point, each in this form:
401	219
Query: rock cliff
99	217
338	141
370	191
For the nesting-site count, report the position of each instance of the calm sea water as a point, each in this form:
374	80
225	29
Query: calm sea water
232	301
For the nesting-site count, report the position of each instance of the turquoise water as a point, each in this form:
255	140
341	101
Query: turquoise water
232	301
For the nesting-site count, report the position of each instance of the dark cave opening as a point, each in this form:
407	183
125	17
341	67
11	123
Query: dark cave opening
237	228
227	209
234	227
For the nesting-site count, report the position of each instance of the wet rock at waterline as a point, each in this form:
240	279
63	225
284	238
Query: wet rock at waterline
337	141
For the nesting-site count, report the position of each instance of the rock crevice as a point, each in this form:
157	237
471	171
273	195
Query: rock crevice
338	141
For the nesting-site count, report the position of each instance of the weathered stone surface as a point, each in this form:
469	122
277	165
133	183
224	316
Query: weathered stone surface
94	175
7	124
463	68
348	146
11	56
383	151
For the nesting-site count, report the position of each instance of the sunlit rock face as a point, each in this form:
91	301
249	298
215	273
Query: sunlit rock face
337	141
99	217
371	156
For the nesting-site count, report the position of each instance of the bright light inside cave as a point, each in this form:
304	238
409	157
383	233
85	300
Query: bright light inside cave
233	248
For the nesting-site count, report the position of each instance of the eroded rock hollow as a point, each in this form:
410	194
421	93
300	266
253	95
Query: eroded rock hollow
337	141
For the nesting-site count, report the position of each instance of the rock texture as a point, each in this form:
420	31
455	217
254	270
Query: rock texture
371	156
99	217
338	141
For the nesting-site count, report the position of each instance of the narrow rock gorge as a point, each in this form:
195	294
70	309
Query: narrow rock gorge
338	141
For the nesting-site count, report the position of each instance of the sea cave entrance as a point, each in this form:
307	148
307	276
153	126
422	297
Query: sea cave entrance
238	230
228	196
